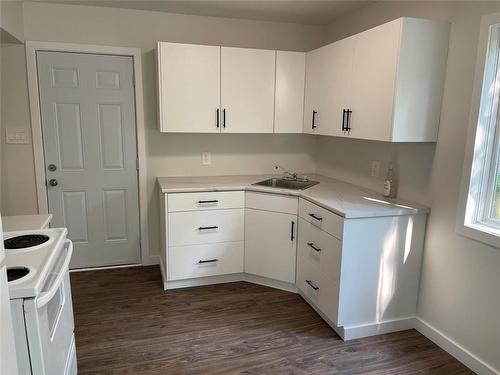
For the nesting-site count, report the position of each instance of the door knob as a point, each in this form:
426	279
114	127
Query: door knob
53	182
52	167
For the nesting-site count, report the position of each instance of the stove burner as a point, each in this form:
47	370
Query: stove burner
27	240
16	273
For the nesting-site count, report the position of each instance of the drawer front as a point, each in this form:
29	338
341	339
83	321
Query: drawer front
210	200
202	227
272	202
186	262
320	253
323	219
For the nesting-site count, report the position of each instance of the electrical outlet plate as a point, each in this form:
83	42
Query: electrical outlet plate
375	171
206	158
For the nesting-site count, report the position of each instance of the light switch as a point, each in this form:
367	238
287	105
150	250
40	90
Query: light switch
206	158
17	136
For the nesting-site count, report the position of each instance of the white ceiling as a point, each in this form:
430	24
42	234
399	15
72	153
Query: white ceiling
315	12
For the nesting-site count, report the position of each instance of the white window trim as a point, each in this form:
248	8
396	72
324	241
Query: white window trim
472	222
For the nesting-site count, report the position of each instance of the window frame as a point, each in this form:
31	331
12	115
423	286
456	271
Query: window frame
482	156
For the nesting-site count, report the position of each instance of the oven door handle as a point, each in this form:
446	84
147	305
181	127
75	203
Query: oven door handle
45	297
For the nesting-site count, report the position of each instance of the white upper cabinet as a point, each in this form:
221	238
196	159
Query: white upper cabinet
188	87
247	90
383	84
289	93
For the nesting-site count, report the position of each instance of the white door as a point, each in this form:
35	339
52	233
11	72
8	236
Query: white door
88	122
247	90
315	91
373	84
289	96
188	88
270	244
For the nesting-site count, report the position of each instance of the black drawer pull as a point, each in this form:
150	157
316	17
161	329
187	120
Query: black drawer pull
217	118
207	228
212	201
313	124
292	234
312	285
311	244
208	261
315	217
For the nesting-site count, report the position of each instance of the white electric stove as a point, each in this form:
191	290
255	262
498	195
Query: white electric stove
40	294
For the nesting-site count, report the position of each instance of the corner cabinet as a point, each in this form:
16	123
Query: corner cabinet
213	89
384	84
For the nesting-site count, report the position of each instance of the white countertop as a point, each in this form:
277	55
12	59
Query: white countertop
26	222
347	200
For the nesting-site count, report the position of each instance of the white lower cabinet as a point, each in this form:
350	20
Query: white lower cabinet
270	244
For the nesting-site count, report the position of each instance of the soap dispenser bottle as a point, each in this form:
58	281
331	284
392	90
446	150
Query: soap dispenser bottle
390	183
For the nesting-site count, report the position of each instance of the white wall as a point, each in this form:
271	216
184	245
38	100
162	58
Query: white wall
11	19
460	286
175	154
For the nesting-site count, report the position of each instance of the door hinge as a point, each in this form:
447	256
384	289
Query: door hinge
137	163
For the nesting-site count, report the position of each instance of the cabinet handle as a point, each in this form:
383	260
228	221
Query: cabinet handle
292	234
224	118
344	112
316	217
348	126
217	118
207	228
212	201
312	285
208	261
311	244
313	125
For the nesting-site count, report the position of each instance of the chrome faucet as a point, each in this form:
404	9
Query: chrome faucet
292	175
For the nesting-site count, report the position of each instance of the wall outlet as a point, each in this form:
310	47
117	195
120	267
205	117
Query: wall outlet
375	172
206	158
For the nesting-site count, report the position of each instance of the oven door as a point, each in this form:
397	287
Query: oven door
49	320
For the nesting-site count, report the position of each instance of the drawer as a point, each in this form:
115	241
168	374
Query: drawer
210	200
202	227
272	202
186	262
319	255
321	218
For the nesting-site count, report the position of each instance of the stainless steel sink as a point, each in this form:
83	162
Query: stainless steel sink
287	183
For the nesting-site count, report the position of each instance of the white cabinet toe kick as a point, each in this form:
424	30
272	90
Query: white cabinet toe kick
360	275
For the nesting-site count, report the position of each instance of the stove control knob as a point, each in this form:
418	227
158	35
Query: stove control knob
53	182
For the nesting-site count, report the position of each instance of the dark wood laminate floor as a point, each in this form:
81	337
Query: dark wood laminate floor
127	324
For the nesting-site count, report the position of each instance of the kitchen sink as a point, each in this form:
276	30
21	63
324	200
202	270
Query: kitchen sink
287	183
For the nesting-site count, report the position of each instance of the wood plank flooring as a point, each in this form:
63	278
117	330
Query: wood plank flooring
127	324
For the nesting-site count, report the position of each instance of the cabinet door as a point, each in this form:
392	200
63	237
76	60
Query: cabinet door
188	87
314	115
373	81
247	90
270	244
289	96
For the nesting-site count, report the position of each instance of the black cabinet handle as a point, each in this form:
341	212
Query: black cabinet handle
348	125
208	261
207	228
211	201
217	118
344	126
316	217
292	234
224	118
313	125
311	244
312	285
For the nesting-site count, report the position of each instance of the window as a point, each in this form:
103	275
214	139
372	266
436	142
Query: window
481	216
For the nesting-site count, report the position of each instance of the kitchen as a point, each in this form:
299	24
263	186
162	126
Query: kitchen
452	296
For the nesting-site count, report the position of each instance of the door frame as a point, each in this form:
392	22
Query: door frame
36	126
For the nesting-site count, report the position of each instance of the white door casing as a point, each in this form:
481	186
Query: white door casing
88	122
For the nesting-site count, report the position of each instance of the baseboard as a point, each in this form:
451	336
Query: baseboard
372	329
276	284
151	260
455	349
